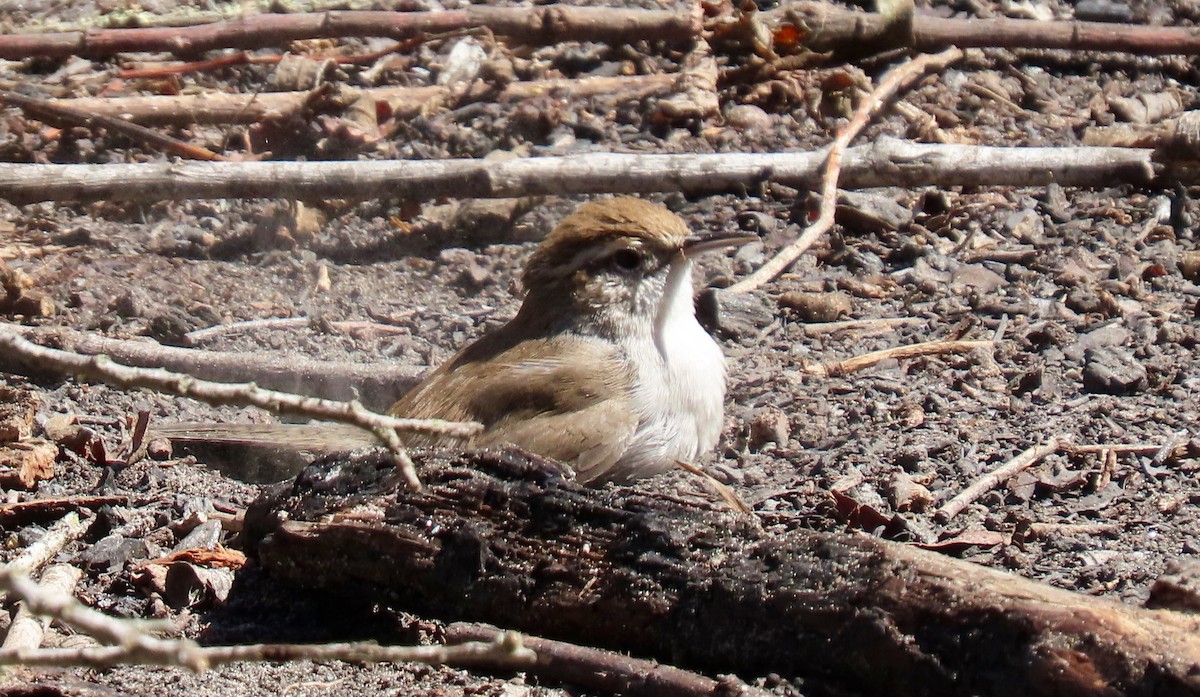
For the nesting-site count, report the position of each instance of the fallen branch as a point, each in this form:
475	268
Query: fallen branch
532	25
105	370
708	589
895	80
1003	473
823	27
927	348
404	102
378	385
886	162
831	27
131	645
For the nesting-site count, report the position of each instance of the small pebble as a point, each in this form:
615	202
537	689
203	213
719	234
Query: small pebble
1110	370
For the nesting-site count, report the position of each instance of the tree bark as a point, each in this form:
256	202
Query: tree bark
507	538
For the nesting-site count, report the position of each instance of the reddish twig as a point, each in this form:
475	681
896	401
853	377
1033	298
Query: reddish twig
243	58
607	672
830	27
533	25
60	115
895	80
41	510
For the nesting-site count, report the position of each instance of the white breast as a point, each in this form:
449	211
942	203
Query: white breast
680	391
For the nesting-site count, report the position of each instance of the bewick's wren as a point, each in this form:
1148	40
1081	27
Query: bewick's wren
604	367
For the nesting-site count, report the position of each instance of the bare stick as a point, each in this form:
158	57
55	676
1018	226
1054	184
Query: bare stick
105	370
896	79
833	27
68	529
606	672
927	348
1001	474
827	27
131	645
1126	448
28	630
881	323
221	108
1052	529
886	162
536	25
61	115
378	384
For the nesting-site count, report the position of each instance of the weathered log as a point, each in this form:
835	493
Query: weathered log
507	538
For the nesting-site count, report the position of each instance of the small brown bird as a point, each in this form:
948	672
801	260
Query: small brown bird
604	367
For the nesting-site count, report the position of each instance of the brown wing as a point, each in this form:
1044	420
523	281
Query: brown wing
563	398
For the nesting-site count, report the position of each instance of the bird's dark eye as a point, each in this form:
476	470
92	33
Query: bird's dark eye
627	260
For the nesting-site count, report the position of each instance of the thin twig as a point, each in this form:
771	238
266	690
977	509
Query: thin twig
878	323
221	108
1126	448
131	645
896	79
927	348
1001	474
607	672
105	370
60	115
378	384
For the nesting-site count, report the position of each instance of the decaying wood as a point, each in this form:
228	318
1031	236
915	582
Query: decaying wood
506	538
886	162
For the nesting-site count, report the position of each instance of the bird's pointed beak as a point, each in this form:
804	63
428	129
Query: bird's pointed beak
699	243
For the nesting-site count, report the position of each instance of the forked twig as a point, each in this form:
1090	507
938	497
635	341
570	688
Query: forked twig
898	78
105	370
1023	461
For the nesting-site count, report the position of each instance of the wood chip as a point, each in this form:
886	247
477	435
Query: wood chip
17	409
24	464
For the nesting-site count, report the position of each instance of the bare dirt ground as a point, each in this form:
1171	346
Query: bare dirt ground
1094	319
